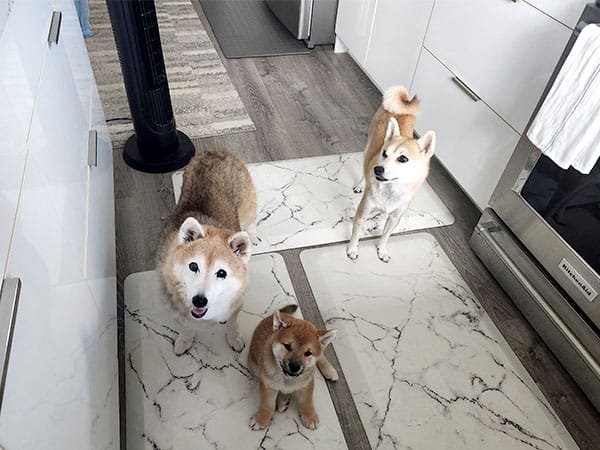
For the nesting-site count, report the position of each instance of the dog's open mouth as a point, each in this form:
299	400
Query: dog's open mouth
198	313
380	178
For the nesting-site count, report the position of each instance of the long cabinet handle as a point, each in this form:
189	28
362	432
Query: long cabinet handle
9	299
466	89
92	148
54	31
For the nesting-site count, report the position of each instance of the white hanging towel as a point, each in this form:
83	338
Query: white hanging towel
567	126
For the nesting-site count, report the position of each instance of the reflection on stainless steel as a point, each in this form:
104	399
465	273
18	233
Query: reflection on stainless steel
540	240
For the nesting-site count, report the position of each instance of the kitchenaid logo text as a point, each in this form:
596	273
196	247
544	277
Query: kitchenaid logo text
577	280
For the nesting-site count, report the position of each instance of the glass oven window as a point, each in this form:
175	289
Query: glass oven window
570	202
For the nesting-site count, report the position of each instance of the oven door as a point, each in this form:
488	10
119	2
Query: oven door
555	213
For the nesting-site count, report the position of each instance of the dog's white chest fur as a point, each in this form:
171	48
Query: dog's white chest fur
389	197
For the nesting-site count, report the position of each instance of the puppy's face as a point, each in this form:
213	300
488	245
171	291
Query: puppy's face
403	158
210	270
297	344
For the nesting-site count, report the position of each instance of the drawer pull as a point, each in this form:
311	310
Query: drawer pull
466	89
54	27
92	148
9	299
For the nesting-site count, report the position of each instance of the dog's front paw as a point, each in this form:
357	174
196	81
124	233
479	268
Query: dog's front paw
235	342
330	373
310	419
259	421
183	344
383	255
352	252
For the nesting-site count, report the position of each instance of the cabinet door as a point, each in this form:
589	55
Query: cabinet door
23	48
48	378
394	50
473	143
504	51
353	26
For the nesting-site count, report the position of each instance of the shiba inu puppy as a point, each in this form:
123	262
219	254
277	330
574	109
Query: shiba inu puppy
395	166
283	354
203	255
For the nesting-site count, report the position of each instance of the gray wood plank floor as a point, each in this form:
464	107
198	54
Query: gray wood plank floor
318	104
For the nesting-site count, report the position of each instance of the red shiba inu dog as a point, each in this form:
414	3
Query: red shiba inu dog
283	354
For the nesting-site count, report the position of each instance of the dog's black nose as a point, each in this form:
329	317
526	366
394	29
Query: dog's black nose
294	366
379	170
199	301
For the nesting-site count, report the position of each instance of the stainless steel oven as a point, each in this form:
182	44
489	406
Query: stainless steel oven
540	238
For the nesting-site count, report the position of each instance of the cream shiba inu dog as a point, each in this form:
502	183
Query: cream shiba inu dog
203	255
395	166
283	354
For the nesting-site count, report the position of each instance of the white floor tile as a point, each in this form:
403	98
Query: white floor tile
205	398
309	201
426	365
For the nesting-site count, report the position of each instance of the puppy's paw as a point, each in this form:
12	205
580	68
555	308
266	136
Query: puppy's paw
352	252
259	421
182	344
383	255
235	342
283	402
358	188
330	373
310	419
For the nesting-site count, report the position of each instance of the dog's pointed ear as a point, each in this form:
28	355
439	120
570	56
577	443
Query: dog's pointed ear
241	246
427	143
190	230
278	323
393	129
325	337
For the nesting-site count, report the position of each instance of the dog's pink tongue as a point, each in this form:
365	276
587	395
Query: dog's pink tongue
199	311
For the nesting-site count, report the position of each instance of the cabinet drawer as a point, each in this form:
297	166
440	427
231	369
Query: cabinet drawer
394	50
474	144
353	26
504	51
100	242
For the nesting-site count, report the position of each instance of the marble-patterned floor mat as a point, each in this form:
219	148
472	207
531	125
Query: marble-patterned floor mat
205	397
426	366
309	201
205	102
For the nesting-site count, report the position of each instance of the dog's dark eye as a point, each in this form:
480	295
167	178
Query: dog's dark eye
384	154
193	267
221	273
288	347
402	158
307	353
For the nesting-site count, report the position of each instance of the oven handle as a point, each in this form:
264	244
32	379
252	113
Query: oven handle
9	299
485	230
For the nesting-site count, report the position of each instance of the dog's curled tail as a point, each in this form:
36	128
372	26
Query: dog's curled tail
289	309
396	100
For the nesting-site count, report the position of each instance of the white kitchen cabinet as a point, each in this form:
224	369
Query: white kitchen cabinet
503	51
353	26
473	143
62	380
565	11
22	56
398	32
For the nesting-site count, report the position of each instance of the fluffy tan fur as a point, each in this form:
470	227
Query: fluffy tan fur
219	193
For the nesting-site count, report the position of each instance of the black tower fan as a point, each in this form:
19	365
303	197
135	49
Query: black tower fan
157	145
